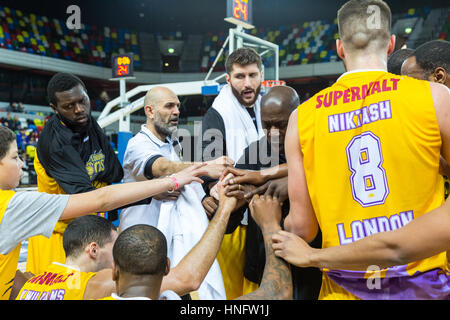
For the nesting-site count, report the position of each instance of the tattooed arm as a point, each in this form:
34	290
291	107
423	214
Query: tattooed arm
276	283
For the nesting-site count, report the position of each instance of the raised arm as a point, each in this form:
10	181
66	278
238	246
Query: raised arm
214	168
243	176
301	219
188	275
276	283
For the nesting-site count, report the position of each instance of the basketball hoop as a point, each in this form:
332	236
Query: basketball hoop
267	84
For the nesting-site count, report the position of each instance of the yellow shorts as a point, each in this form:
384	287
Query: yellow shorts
231	258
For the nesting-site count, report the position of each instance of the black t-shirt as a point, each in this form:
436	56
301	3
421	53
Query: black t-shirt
213	120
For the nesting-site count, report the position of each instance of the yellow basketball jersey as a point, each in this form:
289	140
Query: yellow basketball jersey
107	298
58	282
371	146
8	262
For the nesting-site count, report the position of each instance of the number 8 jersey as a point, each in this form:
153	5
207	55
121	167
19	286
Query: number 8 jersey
371	147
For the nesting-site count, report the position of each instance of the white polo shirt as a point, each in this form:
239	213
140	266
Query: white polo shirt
143	146
183	222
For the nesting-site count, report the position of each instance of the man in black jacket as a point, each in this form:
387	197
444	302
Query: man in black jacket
267	162
73	155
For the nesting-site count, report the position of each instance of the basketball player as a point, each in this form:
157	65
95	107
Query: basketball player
430	61
138	272
73	155
363	157
88	243
86	273
26	214
140	263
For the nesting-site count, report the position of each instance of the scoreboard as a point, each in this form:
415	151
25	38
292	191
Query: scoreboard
122	65
239	12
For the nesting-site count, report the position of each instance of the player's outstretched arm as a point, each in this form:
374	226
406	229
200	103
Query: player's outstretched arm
423	237
214	168
301	219
276	283
242	176
115	196
190	272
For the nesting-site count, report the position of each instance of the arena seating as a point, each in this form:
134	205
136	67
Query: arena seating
445	32
50	37
302	43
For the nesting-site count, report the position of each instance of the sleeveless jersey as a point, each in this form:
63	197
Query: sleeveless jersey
371	147
58	282
8	262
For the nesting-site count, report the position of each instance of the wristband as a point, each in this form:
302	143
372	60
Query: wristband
176	185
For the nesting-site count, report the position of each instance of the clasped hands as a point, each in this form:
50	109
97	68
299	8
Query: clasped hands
244	185
265	197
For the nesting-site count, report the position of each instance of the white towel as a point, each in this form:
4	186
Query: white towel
184	222
240	131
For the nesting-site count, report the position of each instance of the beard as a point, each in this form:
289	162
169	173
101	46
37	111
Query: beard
74	126
241	100
164	128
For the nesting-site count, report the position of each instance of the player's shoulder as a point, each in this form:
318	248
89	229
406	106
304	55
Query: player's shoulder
439	91
410	84
315	100
441	97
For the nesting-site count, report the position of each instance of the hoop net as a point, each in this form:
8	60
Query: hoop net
267	84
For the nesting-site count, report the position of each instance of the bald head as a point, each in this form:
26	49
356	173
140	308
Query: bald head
276	107
162	108
155	95
282	96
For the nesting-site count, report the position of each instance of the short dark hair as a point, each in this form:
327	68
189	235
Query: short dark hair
84	230
243	57
396	60
6	137
432	55
141	250
355	20
62	82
